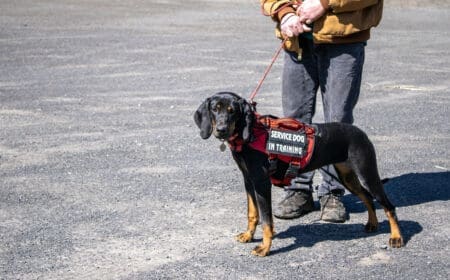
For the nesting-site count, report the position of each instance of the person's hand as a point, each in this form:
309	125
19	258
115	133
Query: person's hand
292	26
310	10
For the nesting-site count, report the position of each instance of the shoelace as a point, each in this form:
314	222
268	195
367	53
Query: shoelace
326	202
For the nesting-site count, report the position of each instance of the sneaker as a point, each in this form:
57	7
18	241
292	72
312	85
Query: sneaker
295	204
332	209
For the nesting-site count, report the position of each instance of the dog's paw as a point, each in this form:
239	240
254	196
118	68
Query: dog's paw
396	242
244	237
371	227
261	250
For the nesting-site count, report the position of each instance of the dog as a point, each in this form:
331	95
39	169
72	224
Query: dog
228	116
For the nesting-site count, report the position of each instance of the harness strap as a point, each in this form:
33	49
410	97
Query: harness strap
295	164
293	169
259	140
235	143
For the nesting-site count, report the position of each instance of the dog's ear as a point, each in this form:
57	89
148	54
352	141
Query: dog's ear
202	118
247	119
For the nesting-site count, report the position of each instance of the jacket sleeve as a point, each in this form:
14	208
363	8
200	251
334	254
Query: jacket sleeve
341	6
277	8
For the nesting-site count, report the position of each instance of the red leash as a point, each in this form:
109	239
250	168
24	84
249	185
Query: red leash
252	96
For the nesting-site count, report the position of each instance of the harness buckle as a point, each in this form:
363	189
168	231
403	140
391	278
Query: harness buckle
273	165
293	170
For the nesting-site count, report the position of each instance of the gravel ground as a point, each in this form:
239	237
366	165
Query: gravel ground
104	176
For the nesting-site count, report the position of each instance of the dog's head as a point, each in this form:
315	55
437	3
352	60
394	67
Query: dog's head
224	114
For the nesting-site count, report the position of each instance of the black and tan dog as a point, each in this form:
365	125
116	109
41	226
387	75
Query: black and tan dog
227	115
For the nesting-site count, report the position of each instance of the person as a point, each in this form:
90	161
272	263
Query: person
324	50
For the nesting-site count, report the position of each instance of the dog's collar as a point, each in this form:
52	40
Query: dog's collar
235	143
258	142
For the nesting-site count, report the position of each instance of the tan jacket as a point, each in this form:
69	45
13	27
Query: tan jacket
346	21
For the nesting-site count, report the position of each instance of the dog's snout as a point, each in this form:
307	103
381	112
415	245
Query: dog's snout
221	129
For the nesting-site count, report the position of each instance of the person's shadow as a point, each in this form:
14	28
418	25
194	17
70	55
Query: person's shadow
403	191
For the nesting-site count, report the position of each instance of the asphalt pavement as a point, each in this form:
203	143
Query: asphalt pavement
103	174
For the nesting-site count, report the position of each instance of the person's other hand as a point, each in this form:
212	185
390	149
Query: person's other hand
310	10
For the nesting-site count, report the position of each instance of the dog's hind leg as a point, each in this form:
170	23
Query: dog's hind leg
372	182
396	239
376	187
352	183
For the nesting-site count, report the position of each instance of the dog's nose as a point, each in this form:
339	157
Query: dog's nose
221	129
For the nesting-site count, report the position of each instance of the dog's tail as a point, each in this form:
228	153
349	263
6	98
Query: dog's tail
385	180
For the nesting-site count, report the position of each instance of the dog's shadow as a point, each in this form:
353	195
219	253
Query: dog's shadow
307	235
409	189
403	191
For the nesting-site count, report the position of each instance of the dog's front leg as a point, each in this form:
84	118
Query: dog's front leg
263	195
252	216
263	198
259	195
252	210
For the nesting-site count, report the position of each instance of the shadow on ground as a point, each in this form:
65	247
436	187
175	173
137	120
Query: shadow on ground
405	190
310	234
409	189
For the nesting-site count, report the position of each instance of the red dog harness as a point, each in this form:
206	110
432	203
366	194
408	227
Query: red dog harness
282	139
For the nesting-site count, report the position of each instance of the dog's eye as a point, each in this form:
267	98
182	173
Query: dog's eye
216	108
230	110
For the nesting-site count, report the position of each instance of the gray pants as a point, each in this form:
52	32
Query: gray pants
334	68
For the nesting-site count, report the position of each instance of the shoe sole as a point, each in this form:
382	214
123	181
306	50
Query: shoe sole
293	216
334	221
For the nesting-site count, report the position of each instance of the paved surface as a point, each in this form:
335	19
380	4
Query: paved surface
104	176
